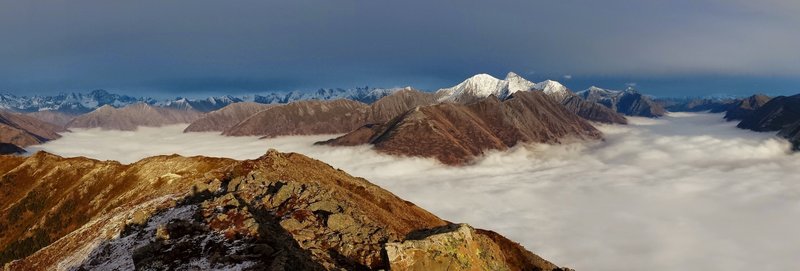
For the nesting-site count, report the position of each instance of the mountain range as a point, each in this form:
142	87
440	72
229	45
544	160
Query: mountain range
282	211
781	114
629	102
21	130
455	133
80	103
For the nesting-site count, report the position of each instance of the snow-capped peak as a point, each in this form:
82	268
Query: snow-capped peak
517	83
478	86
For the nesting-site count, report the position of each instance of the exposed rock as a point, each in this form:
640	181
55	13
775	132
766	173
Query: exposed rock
743	108
131	117
303	118
456	133
225	118
460	247
23	131
277	212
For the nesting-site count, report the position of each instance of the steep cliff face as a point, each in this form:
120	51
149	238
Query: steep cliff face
303	118
278	212
456	133
131	117
23	131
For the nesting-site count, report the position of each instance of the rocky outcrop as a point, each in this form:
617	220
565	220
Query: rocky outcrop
628	102
780	114
456	133
225	118
460	247
131	117
303	118
278	212
23	131
8	148
743	108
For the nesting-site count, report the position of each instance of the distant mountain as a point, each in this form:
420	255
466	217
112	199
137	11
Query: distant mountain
629	102
8	148
780	114
713	105
309	117
131	117
455	133
72	103
743	108
361	94
225	118
23	131
203	105
57	118
483	85
281	211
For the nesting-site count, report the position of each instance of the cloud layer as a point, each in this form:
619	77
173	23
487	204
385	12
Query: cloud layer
688	191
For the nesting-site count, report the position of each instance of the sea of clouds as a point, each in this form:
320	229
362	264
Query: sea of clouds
684	192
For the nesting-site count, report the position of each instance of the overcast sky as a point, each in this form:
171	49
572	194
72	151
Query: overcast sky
199	47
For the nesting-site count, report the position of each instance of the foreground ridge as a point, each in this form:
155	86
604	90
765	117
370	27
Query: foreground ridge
282	211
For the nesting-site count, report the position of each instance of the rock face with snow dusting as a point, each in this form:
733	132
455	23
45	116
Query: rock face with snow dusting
278	212
628	102
131	117
456	133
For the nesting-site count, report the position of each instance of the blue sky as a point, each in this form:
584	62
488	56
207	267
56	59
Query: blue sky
200	47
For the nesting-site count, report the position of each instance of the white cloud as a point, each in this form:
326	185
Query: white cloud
568	76
688	191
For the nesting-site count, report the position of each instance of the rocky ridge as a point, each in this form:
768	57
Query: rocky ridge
278	212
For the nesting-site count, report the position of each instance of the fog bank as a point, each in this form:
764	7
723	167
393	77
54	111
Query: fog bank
688	191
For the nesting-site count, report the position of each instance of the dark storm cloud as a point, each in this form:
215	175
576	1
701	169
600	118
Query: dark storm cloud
179	47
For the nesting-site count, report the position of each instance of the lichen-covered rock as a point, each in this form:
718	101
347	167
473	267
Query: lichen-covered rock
457	247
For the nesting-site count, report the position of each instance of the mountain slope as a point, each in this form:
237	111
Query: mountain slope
24	131
57	118
131	117
225	118
303	118
277	212
398	103
780	114
456	133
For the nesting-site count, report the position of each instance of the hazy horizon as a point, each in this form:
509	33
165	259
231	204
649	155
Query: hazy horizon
185	48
